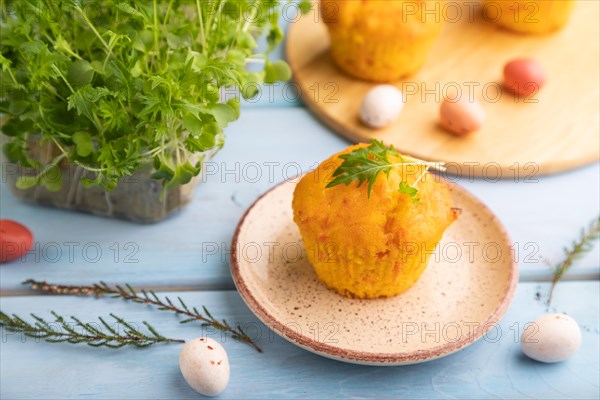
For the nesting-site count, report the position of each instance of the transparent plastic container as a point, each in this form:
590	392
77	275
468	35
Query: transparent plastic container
136	198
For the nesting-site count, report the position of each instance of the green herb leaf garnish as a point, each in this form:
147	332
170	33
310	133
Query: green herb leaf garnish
411	191
366	163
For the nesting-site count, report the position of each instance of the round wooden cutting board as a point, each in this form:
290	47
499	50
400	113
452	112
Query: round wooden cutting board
557	129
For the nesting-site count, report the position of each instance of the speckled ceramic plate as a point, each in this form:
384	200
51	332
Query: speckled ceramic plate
466	288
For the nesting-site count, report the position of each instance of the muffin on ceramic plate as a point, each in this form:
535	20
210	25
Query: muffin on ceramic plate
374	239
379	40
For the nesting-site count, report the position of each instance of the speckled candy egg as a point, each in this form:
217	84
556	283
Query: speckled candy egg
461	116
524	77
551	338
15	240
205	366
381	106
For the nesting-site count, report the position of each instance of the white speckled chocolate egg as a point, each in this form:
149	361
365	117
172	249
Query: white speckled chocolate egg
551	338
381	106
205	366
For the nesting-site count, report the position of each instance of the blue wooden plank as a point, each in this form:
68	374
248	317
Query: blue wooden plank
491	368
191	248
545	214
279	94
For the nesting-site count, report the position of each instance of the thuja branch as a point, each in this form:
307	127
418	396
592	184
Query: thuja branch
575	251
75	331
146	297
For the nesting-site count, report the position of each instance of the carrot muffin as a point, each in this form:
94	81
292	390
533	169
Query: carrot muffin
380	40
371	244
530	16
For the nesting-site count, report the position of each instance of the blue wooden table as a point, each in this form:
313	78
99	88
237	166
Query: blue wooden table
187	255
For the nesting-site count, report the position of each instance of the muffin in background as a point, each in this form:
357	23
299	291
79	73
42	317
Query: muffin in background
369	247
529	16
379	40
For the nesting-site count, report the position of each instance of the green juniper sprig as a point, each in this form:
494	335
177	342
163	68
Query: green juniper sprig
366	163
147	297
575	251
75	331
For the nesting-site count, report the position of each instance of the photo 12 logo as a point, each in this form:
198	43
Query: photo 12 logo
72	252
467	253
451	12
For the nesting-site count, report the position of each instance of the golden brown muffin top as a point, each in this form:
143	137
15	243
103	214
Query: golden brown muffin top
377	18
